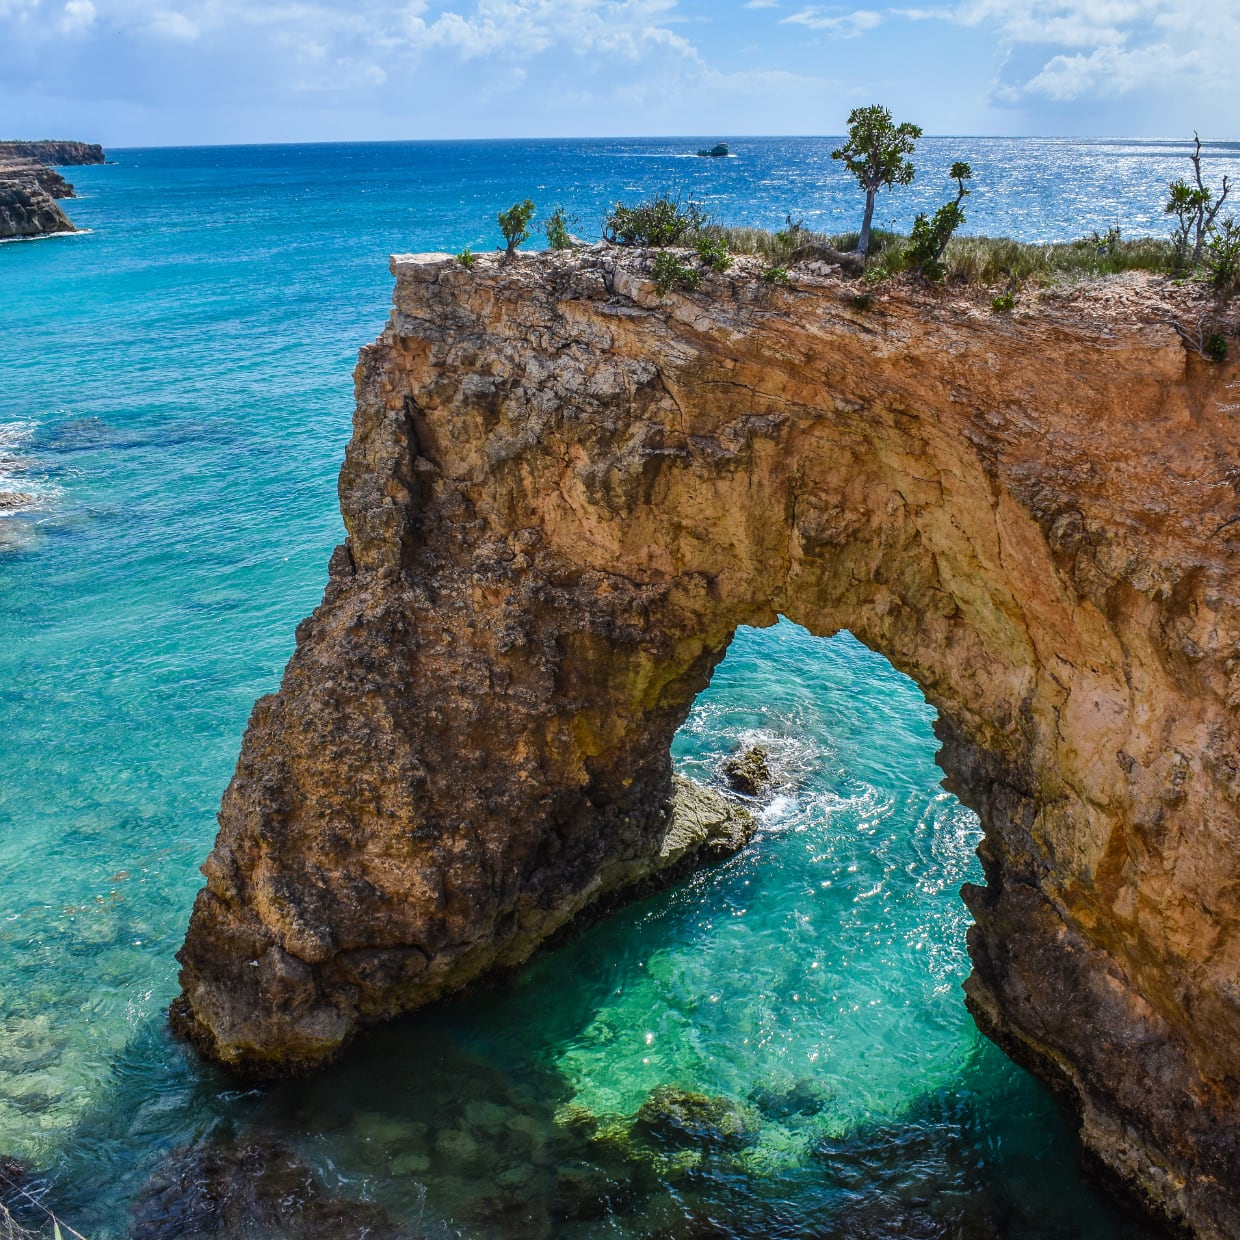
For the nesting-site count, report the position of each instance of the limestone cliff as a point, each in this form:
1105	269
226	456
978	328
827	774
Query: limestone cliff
564	493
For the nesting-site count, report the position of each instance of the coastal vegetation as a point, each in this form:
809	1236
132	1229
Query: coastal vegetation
713	252
515	225
930	237
876	153
1202	244
660	221
670	273
1195	209
558	226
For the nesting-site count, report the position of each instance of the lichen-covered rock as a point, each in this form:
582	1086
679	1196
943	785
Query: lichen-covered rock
562	496
682	1117
748	772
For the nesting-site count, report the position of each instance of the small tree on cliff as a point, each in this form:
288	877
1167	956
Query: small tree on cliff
875	154
928	242
515	225
1195	209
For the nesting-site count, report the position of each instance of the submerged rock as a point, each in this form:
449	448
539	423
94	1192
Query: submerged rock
684	1118
803	1098
748	772
251	1190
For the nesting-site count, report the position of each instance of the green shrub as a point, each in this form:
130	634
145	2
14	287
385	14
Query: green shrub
1005	301
930	237
670	273
467	258
1216	347
1223	258
713	252
515	225
1195	209
661	222
776	275
558	227
983	261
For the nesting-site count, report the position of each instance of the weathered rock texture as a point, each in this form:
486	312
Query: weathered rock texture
28	208
29	184
564	493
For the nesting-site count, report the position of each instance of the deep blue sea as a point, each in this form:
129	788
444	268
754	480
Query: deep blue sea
175	398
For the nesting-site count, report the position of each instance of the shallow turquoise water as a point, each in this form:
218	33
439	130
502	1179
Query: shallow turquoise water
174	399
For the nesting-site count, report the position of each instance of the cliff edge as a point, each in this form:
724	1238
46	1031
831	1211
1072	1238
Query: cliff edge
53	152
29	185
562	496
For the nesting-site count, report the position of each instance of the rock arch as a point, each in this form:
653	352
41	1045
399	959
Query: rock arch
563	494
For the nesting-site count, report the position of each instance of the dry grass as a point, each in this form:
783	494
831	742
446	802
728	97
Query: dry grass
985	261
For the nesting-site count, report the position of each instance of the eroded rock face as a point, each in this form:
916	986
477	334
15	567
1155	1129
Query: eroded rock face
29	185
562	496
28	206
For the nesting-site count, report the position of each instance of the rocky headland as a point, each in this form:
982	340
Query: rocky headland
562	496
53	152
30	185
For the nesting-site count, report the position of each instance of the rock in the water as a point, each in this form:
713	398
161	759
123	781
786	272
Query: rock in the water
703	826
748	772
802	1098
27	209
255	1190
682	1118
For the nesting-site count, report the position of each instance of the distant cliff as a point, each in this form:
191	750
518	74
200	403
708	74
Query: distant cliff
29	185
51	151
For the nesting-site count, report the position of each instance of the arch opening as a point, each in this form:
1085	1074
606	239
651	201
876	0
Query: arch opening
812	981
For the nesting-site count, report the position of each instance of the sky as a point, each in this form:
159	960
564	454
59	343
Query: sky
143	72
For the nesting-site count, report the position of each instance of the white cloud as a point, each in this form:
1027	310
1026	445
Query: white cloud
1070	23
173	26
842	25
1106	73
1105	49
441	67
79	15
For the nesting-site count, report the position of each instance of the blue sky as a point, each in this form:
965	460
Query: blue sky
136	72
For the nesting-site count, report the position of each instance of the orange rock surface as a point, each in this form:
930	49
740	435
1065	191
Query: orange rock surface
564	493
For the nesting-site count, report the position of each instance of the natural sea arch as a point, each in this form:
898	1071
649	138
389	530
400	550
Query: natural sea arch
564	494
